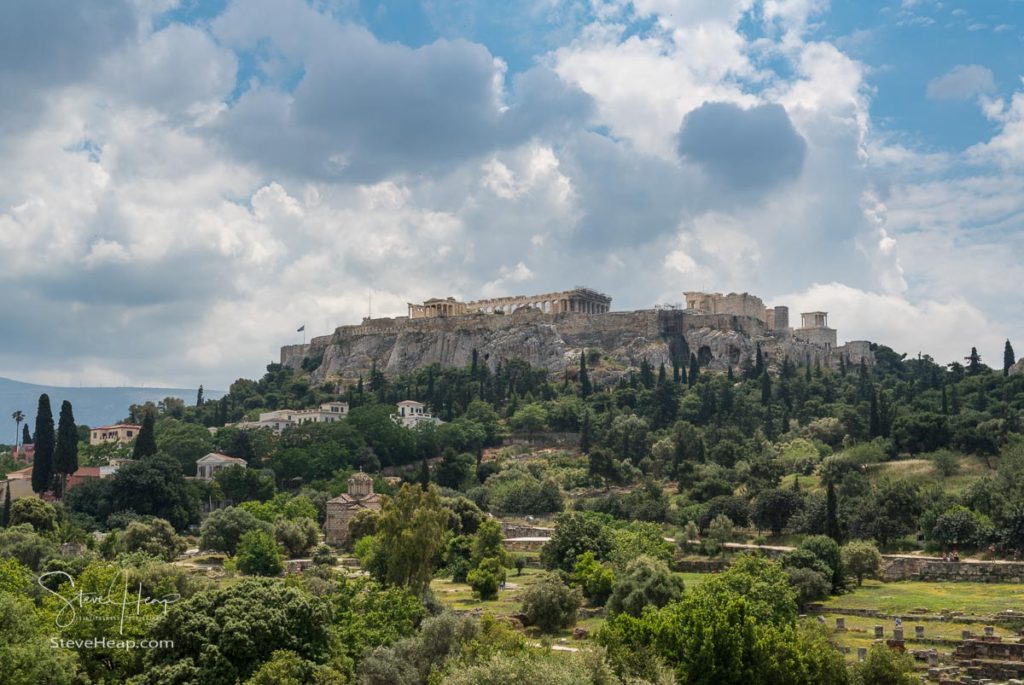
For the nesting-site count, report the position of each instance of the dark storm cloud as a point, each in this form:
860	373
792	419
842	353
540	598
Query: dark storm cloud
365	109
743	149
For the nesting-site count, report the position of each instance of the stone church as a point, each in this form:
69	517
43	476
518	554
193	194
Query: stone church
344	507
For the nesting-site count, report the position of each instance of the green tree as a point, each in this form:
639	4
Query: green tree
585	387
223	529
42	464
551	605
155	537
65	453
861	559
973	362
884	666
735	628
297	536
488	543
486	578
456	471
18	417
145	441
646	581
39	514
575	533
773	508
530	419
258	554
6	520
152	487
240	484
236	629
827	550
594	578
694	370
1009	359
410	531
26	655
766	388
832	513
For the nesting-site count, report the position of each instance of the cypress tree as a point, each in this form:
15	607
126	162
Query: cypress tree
42	465
585	430
26	435
945	402
7	505
694	369
973	362
145	443
65	454
832	514
729	375
473	365
424	478
199	397
954	400
662	376
874	421
766	388
1009	359
585	387
758	362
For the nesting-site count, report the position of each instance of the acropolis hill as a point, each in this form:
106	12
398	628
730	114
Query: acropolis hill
551	330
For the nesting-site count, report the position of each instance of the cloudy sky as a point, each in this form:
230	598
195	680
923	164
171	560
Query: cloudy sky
182	184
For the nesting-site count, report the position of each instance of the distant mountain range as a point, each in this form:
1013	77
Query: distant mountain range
92	406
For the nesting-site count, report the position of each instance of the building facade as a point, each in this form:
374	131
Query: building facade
120	432
411	413
208	466
343	508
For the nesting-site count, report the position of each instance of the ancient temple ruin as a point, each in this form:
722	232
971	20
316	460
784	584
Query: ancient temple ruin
580	300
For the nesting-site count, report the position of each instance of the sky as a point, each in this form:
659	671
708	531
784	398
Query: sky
184	184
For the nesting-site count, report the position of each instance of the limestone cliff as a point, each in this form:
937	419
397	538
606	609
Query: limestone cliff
554	342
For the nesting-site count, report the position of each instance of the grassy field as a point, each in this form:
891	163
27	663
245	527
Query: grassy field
923	472
900	599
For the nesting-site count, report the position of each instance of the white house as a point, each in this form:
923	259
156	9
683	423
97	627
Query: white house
213	462
412	413
279	419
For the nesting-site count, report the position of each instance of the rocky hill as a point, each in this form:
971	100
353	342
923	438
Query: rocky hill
555	341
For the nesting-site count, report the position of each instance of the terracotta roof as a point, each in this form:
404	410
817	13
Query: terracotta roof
217	456
87	472
345	498
20	473
117	425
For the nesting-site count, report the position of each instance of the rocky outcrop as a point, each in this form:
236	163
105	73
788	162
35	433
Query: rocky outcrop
1018	368
553	342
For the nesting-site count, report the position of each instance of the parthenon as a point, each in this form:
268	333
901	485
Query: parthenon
579	300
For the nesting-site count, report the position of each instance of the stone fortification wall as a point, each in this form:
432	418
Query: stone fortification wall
932	569
553	341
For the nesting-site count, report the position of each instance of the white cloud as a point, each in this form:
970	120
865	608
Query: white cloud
962	82
945	329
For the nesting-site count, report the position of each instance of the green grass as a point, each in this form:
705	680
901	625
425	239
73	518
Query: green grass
923	472
972	599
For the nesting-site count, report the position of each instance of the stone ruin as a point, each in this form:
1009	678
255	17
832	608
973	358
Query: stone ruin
551	330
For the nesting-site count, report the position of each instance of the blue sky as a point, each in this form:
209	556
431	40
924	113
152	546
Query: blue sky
184	183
